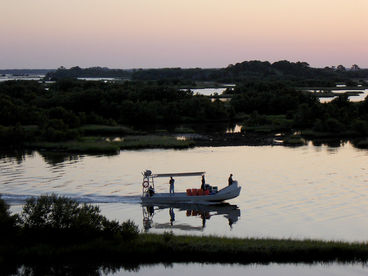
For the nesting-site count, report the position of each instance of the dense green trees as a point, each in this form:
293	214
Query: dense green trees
60	109
57	111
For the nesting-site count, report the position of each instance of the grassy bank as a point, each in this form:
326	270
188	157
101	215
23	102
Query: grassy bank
152	248
84	145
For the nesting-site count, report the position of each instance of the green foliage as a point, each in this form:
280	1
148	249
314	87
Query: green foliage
53	212
62	215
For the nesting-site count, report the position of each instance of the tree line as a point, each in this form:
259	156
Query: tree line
298	73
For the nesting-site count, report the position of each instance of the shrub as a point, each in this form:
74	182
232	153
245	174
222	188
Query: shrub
53	212
63	215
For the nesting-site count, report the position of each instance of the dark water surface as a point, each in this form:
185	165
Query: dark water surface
317	192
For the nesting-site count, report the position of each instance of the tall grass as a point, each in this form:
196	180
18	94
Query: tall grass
152	248
154	141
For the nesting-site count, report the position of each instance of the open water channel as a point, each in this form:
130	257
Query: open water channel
317	192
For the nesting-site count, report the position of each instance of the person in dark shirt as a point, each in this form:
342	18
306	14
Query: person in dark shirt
171	182
231	181
203	187
151	191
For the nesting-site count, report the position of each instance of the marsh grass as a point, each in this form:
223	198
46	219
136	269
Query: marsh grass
98	144
153	141
84	145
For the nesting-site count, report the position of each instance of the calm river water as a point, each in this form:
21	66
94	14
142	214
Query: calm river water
316	192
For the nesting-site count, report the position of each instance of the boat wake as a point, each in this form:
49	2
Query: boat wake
13	199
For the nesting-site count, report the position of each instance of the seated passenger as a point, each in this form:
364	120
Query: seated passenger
151	191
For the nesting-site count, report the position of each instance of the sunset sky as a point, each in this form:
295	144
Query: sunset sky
181	33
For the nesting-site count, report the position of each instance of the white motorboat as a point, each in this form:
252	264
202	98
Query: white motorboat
211	195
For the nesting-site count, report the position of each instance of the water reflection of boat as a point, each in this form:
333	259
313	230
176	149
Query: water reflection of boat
208	195
204	212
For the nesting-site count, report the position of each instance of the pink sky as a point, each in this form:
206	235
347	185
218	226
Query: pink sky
181	33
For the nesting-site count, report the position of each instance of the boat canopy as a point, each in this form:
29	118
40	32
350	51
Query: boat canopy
178	174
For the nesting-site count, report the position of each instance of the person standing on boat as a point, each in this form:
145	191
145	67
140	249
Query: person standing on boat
171	182
231	181
203	187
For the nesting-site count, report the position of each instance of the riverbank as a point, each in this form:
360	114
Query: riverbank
112	145
104	139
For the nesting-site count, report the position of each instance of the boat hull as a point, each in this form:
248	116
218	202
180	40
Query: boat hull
226	193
